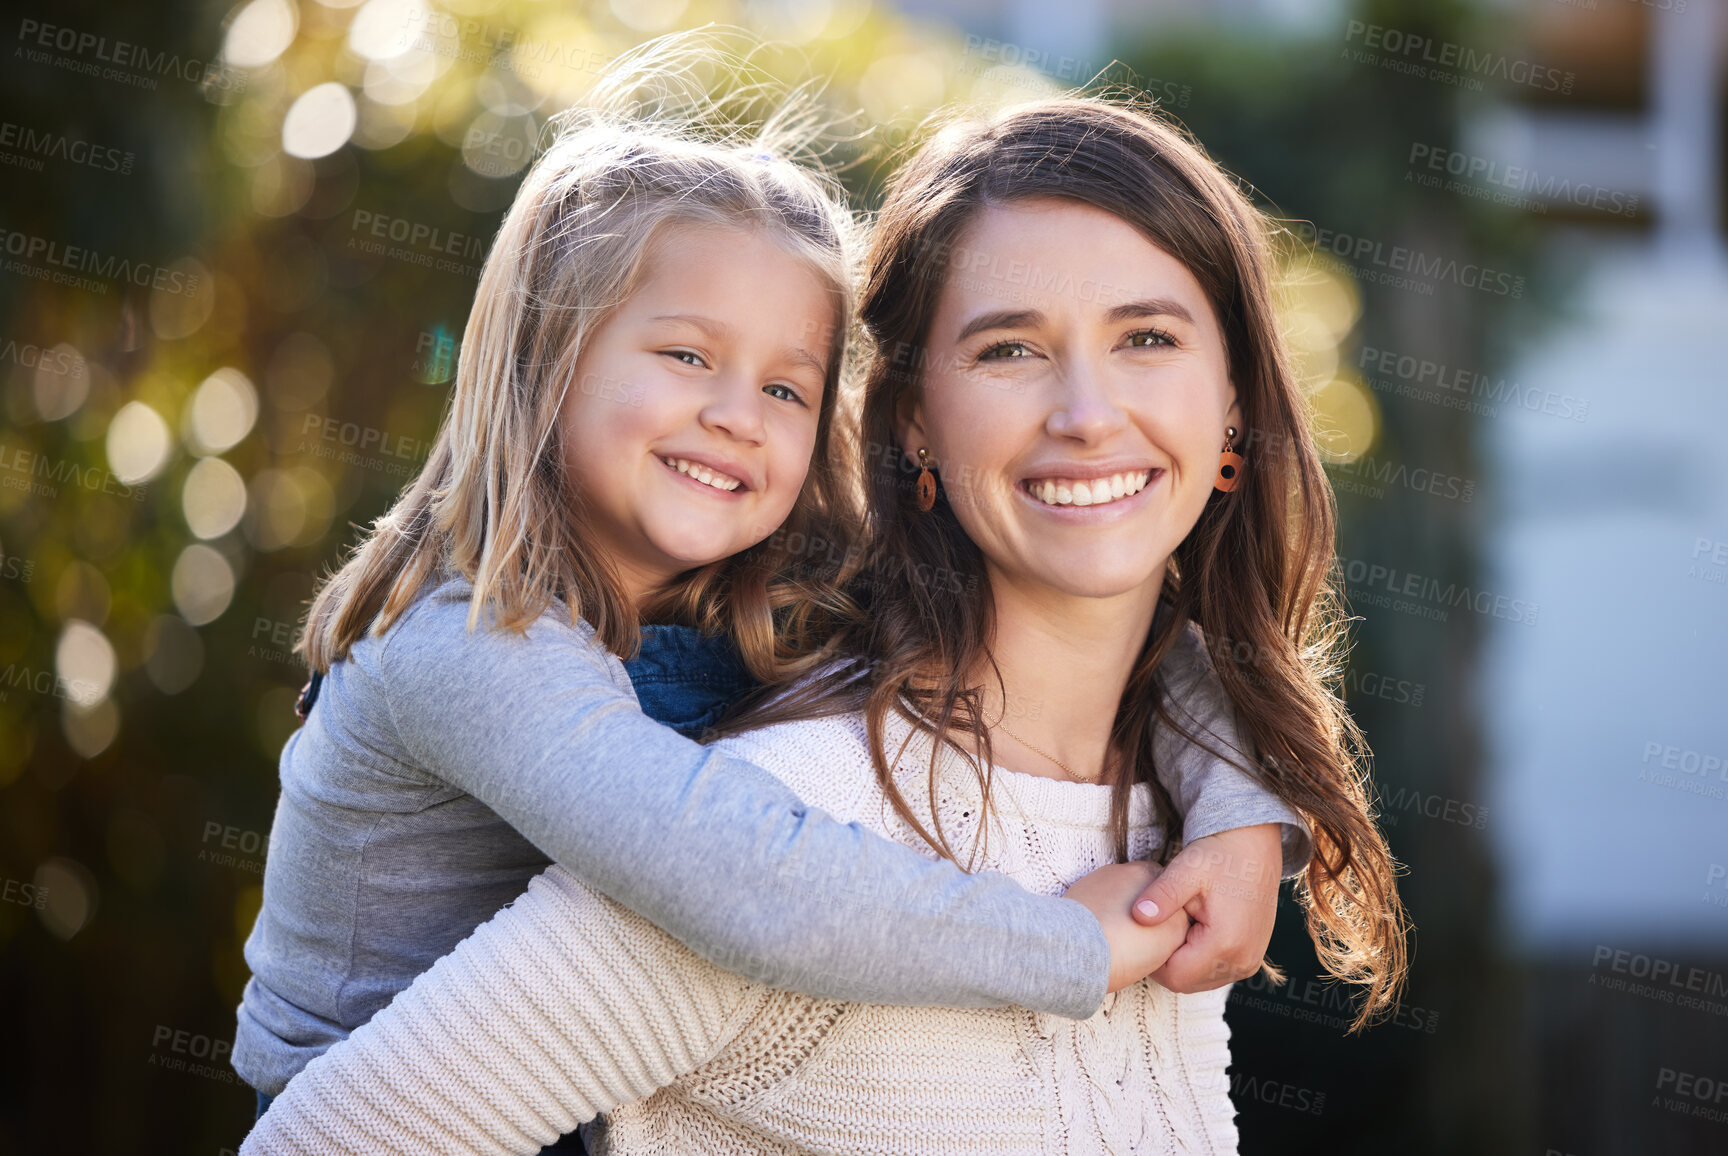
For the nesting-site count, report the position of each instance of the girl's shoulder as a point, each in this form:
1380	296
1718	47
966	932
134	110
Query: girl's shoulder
430	641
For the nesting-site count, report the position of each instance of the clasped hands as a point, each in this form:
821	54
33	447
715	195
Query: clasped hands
1210	915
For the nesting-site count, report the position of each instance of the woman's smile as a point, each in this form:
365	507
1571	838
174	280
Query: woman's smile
1074	490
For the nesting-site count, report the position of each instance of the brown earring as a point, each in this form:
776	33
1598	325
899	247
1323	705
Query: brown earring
926	481
1229	464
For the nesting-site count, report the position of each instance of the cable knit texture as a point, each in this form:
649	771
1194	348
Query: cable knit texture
567	1005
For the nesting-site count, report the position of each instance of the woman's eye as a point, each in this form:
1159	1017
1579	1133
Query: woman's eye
1147	338
686	356
787	393
1004	350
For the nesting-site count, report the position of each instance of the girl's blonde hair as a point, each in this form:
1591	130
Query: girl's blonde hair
647	151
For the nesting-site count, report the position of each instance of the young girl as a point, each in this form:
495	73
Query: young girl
653	355
1080	415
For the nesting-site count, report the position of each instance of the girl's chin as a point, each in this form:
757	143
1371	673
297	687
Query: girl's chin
686	554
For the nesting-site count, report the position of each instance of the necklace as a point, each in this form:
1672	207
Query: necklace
1065	768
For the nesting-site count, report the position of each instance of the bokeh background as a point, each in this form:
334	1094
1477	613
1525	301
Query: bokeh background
237	247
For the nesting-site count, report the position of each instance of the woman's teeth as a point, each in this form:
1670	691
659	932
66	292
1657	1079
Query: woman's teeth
1095	492
703	474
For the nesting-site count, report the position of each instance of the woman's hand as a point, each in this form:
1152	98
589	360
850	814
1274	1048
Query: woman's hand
1135	951
1227	884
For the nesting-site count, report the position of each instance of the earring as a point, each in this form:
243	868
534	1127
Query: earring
926	481
1229	464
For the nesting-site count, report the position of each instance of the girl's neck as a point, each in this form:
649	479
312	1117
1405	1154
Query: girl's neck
1065	661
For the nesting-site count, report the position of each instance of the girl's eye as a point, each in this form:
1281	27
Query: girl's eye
789	393
686	356
1005	349
1148	338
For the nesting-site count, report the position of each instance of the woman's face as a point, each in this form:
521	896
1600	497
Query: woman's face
1075	398
691	422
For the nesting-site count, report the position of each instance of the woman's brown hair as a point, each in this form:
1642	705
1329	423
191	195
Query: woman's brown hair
1254	573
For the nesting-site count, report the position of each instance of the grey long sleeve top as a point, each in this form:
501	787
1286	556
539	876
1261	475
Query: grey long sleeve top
443	768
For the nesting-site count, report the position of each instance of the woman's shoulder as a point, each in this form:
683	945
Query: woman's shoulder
825	760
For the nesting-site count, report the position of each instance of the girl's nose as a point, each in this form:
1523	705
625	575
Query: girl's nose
735	408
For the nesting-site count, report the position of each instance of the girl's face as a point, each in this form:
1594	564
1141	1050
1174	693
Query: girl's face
1075	399
690	424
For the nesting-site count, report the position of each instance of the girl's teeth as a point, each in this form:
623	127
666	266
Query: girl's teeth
703	474
1097	492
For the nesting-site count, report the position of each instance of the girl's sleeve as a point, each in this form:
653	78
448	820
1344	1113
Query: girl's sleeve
563	1006
716	851
1212	793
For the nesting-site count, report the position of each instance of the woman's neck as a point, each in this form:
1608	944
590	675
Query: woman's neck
1065	661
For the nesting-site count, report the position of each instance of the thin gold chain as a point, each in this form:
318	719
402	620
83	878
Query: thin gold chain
1065	768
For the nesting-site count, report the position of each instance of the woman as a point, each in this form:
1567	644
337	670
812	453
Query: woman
1072	311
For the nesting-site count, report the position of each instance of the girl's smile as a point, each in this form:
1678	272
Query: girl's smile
715	477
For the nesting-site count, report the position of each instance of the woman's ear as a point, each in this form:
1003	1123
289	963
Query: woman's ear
1233	419
909	422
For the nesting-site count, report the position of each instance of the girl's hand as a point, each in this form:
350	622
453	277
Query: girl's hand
1135	951
1228	885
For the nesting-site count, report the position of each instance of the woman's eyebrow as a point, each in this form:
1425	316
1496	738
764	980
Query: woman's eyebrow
1001	319
1149	307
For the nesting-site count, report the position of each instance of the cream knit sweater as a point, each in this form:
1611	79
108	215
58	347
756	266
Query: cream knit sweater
567	1005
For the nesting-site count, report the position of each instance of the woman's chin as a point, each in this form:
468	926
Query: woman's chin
1079	582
